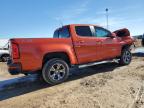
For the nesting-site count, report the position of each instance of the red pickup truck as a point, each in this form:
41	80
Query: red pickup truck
71	45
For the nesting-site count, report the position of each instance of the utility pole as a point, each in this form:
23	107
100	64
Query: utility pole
107	17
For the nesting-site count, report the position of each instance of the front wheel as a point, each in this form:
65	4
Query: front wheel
55	71
126	57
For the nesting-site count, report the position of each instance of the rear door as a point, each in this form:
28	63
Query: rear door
110	47
86	46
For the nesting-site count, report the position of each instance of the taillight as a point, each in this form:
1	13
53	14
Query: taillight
15	51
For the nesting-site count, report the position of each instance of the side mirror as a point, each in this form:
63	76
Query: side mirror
112	35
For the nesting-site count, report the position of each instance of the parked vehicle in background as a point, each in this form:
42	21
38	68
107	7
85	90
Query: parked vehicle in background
72	45
4	54
4	50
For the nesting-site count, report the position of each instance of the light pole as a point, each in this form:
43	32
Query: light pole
107	17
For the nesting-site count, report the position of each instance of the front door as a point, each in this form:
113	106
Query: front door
110	47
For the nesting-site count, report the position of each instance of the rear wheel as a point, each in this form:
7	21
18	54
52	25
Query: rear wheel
55	71
126	57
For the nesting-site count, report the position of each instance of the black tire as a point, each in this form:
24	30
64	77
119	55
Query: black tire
26	74
126	57
4	58
55	71
142	42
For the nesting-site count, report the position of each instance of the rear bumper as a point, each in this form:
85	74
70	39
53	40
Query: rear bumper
14	68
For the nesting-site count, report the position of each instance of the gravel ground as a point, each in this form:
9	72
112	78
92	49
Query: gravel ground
103	86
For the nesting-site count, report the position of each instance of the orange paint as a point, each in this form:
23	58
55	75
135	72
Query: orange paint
79	49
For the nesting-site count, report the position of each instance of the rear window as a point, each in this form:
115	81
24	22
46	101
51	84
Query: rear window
56	34
83	31
62	33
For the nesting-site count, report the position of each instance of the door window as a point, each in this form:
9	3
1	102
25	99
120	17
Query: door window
101	32
84	31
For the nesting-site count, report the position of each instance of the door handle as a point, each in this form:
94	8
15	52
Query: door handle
98	42
81	41
78	46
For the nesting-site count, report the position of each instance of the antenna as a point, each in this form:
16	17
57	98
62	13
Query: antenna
61	23
107	17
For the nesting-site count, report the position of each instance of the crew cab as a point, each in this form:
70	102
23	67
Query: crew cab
71	45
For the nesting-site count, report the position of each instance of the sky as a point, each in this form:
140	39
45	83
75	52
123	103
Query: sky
39	18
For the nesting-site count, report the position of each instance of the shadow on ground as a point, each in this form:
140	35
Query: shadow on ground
22	85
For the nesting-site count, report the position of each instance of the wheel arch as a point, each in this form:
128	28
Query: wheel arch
126	46
61	55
